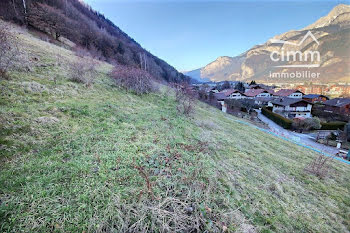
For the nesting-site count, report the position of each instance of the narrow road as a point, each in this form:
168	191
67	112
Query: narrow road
297	137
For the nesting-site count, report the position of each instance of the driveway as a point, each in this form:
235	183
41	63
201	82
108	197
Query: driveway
305	139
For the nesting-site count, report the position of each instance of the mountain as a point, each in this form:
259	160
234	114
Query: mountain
332	33
73	24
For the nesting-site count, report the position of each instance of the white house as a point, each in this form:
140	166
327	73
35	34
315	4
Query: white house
292	107
253	93
290	93
233	94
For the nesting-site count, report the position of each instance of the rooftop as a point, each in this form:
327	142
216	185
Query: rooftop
338	102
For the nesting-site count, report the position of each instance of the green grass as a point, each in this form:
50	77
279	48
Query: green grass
89	171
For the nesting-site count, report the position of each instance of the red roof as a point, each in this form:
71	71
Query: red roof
230	91
254	92
286	92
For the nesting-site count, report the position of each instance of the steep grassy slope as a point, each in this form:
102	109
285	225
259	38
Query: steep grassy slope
99	159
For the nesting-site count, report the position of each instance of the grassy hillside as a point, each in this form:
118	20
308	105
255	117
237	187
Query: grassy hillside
99	159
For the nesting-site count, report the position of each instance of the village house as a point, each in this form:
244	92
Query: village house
292	107
290	93
233	94
338	105
314	98
252	93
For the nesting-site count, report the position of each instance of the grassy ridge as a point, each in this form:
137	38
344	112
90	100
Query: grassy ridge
97	159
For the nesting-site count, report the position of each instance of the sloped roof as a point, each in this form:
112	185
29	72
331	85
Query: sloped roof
338	102
311	96
286	92
287	101
228	92
254	92
220	96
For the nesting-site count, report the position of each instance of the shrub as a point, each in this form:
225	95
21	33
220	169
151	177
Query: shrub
335	125
248	105
9	52
332	136
83	71
278	119
307	124
185	98
319	166
133	79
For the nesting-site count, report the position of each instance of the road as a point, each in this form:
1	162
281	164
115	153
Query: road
297	137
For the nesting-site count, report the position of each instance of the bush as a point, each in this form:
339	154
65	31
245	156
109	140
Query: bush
83	71
320	166
133	79
335	125
278	119
9	53
307	124
185	98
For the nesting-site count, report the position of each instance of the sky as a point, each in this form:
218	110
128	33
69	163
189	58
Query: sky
190	34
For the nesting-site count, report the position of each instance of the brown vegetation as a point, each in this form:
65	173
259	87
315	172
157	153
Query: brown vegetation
83	71
185	98
320	166
133	79
9	53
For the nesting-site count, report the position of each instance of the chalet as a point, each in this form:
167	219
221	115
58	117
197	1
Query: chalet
338	105
252	93
232	94
290	93
314	98
292	107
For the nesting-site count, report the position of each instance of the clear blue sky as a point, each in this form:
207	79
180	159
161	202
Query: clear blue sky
191	34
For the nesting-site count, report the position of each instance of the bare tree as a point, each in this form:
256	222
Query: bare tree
320	166
185	98
133	79
249	105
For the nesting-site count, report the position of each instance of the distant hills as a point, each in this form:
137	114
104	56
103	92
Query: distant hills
72	23
332	33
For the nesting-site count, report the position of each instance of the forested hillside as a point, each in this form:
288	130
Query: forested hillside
88	29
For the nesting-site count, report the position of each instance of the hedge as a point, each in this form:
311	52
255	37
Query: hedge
278	119
334	125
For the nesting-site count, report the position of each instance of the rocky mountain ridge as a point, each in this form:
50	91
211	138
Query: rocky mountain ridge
332	33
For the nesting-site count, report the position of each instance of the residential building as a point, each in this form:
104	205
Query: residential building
233	94
314	98
290	93
292	107
252	93
338	105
